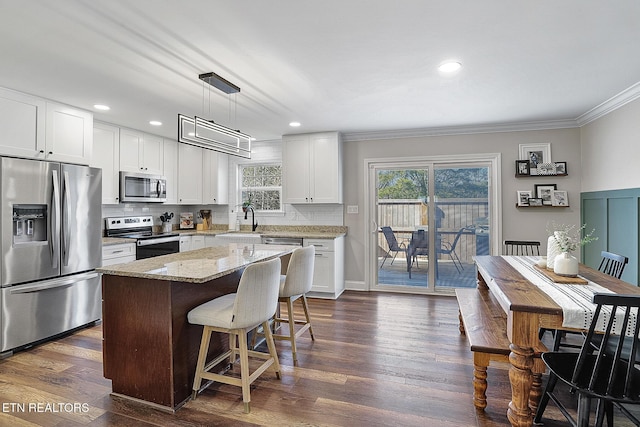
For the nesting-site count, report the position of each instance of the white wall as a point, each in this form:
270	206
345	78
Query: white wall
611	143
518	223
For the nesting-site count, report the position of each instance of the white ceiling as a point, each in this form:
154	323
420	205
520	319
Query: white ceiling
348	65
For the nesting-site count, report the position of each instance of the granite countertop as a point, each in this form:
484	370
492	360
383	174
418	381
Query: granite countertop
305	232
198	266
302	232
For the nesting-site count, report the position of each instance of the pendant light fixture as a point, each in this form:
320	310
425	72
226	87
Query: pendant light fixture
210	135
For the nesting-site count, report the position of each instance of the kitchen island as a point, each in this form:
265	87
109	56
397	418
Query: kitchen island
149	348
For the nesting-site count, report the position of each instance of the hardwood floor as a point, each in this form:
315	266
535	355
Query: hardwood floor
379	359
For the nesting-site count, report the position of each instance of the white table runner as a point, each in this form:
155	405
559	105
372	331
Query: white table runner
575	300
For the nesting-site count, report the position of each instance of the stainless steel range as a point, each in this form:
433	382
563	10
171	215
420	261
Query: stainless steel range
148	243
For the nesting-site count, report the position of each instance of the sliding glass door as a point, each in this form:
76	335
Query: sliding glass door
428	219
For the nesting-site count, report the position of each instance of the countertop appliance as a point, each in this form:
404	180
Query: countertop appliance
148	243
51	243
142	187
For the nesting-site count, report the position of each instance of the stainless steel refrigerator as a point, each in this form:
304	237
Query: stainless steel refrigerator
50	235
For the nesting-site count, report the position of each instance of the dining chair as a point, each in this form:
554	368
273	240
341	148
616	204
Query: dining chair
608	377
521	247
393	244
613	264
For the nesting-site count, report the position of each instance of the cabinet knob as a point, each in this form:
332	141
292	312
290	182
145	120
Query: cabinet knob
41	151
50	152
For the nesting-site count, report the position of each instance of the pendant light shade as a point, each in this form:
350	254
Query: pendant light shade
210	135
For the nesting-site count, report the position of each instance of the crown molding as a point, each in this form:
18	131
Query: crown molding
626	96
459	130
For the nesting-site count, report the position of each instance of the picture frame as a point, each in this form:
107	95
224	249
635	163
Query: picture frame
535	201
522	168
545	192
523	197
535	153
561	168
559	198
547	169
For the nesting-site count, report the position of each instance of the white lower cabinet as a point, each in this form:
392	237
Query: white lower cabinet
328	272
118	254
185	243
197	242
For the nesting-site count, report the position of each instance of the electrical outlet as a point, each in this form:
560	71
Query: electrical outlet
352	209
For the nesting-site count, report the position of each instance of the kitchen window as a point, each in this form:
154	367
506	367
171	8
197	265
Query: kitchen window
262	184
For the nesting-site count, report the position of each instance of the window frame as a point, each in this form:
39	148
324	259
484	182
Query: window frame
242	166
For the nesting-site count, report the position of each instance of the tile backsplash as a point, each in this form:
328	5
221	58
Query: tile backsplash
293	214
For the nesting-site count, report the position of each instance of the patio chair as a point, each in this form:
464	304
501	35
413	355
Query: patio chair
393	244
450	249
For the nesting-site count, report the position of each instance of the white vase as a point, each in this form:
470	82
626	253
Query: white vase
552	251
566	264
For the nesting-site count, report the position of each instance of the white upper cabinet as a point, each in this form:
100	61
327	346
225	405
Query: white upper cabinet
22	125
106	155
312	168
170	169
37	129
141	152
215	179
190	175
69	135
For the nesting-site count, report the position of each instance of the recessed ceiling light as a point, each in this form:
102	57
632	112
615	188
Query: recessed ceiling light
294	124
450	67
102	107
155	123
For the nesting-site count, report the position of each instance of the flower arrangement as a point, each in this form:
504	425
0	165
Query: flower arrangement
568	237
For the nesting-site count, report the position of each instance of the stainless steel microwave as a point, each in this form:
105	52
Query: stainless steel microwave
142	187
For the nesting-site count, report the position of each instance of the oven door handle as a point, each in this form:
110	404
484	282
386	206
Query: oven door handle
149	242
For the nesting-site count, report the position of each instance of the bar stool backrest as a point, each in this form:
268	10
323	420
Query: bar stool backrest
257	295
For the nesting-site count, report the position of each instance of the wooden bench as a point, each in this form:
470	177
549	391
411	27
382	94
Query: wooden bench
484	323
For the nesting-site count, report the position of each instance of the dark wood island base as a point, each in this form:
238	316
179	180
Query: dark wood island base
150	350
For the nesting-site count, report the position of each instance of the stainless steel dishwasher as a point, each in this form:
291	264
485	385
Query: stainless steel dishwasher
294	241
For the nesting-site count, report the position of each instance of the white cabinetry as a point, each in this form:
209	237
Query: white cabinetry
185	243
197	242
36	129
106	156
170	170
140	152
312	168
190	175
328	272
117	254
215	179
22	125
69	135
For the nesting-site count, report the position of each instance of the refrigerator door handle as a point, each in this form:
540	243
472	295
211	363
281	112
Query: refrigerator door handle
54	225
53	283
66	237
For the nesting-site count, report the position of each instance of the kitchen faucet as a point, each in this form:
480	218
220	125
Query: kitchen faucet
254	224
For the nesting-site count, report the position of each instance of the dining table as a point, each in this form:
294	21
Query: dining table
532	299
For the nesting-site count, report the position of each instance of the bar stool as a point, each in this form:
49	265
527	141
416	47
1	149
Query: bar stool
236	314
294	285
